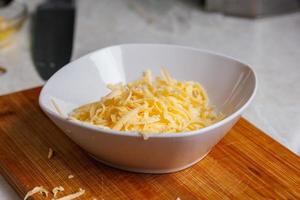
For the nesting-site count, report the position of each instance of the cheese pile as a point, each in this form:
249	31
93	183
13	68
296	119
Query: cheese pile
164	105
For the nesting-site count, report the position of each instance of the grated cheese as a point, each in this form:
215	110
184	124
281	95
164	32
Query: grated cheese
72	196
163	105
56	190
39	189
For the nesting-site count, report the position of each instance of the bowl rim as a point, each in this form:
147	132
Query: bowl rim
152	135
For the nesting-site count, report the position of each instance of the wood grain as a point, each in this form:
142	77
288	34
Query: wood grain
246	164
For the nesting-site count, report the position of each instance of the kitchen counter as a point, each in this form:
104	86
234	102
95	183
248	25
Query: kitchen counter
269	45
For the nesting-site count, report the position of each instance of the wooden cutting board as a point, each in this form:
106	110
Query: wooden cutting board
246	164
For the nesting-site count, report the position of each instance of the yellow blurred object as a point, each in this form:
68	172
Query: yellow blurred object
11	20
6	31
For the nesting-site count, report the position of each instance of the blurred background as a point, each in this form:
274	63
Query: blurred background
37	37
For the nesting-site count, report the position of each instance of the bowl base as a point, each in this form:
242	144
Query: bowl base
148	171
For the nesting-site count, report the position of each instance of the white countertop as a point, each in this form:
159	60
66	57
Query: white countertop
269	45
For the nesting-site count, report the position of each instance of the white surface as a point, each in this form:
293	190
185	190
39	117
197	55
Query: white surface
270	45
84	81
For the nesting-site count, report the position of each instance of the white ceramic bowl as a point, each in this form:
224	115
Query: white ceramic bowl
230	85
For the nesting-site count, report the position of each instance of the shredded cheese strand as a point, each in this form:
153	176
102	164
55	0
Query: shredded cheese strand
38	189
56	190
73	196
50	153
56	107
70	176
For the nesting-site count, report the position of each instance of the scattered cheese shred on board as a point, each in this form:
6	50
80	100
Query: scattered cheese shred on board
38	189
56	190
70	176
72	196
50	153
163	105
